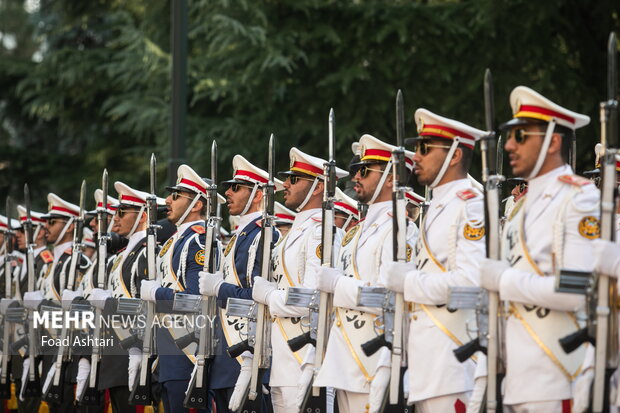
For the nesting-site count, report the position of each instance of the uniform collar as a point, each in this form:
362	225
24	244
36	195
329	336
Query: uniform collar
377	211
244	220
134	239
542	184
59	249
303	216
186	225
444	192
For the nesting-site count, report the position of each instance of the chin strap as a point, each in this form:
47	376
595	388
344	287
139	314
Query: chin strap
312	188
543	150
36	233
446	162
136	222
386	172
187	210
64	231
250	199
347	222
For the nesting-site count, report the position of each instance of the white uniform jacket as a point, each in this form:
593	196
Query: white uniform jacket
365	248
550	230
448	253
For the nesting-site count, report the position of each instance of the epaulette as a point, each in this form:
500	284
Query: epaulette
574	180
466	194
198	229
259	223
46	256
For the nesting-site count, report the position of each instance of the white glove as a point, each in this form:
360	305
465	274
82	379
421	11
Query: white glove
210	283
148	289
82	375
581	391
25	368
241	386
32	299
327	278
98	297
49	378
396	274
477	395
606	257
262	289
135	357
378	387
491	272
307	372
68	296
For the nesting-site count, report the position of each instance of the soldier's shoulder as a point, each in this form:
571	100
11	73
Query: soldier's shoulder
469	194
46	256
585	195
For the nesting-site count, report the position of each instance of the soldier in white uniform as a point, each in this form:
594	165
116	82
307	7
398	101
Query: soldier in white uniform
549	229
296	260
365	250
448	251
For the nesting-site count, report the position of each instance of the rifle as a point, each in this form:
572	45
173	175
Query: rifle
55	392
196	395
601	323
393	304
91	395
5	380
141	393
318	302
262	342
487	318
32	386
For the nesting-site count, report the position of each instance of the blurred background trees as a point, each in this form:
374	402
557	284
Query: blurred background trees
86	85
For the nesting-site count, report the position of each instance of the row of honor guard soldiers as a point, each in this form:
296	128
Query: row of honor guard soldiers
552	227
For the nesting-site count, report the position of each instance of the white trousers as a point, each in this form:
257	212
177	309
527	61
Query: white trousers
451	403
284	399
349	402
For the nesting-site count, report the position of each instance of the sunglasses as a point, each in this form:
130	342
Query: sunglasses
364	169
121	212
52	221
423	147
520	135
176	195
237	186
295	178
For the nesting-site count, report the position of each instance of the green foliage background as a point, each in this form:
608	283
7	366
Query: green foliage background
97	92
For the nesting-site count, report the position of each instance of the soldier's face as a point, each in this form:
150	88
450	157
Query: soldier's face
21	239
366	180
427	166
124	220
295	193
237	196
53	228
177	204
523	154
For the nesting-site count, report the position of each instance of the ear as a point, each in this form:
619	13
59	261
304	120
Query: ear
143	218
258	197
319	189
456	157
199	205
556	143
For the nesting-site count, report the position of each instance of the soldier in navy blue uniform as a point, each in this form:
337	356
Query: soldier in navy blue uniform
241	262
180	260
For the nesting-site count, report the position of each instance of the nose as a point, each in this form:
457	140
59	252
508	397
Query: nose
417	158
511	144
228	192
287	183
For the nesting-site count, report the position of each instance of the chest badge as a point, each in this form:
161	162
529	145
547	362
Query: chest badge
166	247
349	235
230	245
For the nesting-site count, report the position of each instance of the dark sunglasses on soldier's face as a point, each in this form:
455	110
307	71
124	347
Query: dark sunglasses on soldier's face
364	169
176	195
295	178
121	212
520	135
423	147
236	186
52	221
